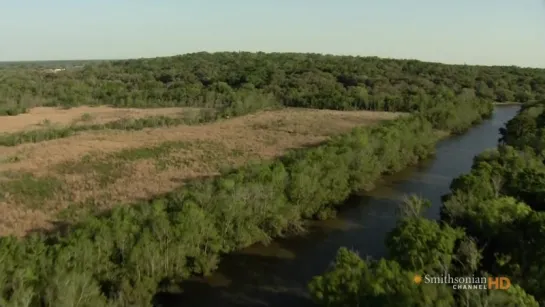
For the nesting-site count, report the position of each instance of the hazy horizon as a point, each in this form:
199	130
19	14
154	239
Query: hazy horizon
172	55
486	32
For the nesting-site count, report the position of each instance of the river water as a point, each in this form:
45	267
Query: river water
277	274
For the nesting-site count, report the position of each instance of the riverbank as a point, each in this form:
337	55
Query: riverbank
507	182
122	257
512	103
277	274
490	224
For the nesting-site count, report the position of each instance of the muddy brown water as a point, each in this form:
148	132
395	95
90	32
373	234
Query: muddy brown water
278	274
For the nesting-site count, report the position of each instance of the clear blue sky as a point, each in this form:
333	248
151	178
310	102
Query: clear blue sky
491	32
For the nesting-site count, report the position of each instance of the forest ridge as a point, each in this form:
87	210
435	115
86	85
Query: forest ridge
293	79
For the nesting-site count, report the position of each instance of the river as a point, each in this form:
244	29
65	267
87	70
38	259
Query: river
277	274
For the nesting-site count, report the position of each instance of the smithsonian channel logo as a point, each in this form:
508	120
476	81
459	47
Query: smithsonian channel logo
466	282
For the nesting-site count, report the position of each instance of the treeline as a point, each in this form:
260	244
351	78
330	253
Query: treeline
455	115
122	258
492	223
219	80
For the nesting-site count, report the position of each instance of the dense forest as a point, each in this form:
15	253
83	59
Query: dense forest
241	80
491	224
123	257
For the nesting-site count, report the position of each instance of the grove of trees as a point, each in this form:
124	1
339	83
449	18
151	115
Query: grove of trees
492	223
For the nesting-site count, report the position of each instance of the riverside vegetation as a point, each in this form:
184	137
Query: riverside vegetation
491	224
124	256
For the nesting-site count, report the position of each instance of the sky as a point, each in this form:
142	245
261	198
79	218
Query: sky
487	32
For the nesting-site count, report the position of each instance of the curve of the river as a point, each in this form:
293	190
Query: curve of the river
277	274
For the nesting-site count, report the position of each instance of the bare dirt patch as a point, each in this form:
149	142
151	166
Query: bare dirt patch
42	116
105	168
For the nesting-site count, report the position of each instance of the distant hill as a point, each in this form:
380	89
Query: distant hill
48	64
240	80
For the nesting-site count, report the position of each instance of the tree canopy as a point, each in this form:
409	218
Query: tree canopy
491	224
229	79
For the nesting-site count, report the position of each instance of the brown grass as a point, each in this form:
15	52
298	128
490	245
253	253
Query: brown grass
110	167
40	116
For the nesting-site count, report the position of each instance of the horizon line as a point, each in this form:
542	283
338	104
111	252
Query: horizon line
266	52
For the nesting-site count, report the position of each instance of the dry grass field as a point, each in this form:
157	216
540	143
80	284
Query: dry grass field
37	117
94	170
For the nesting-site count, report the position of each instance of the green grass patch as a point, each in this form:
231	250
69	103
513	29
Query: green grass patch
12	110
160	154
111	167
105	171
153	152
30	190
35	136
86	117
78	211
10	159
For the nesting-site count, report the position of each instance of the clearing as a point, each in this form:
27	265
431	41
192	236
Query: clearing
39	117
41	183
